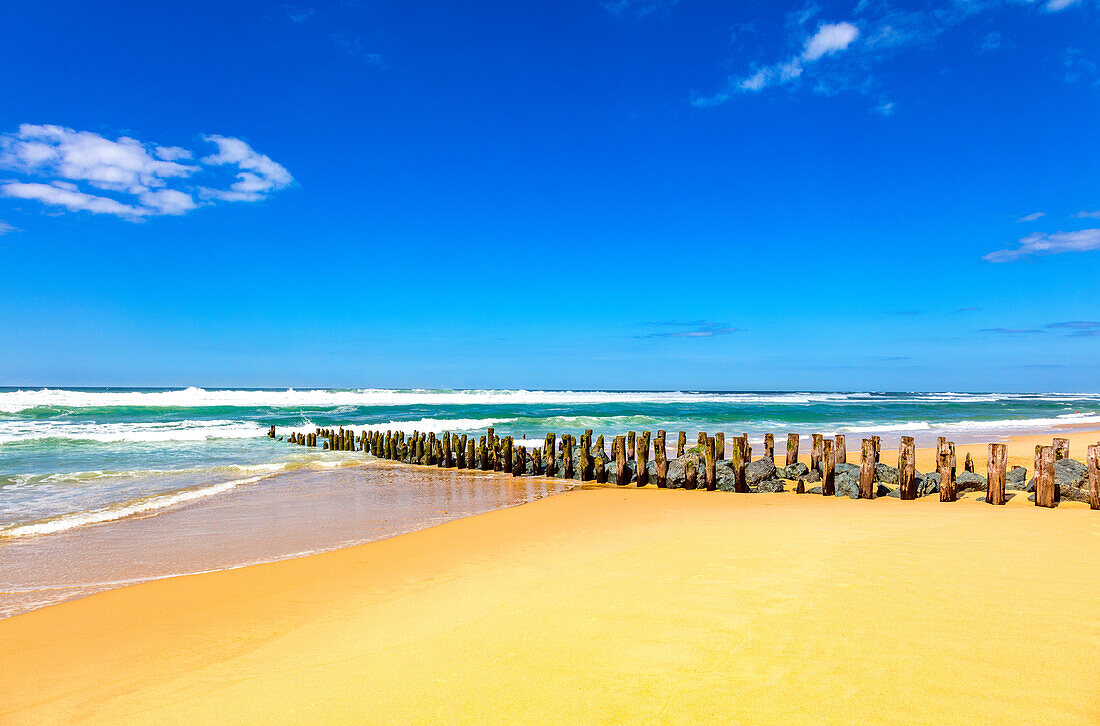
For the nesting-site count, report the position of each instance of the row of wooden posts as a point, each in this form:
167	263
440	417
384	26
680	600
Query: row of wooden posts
492	453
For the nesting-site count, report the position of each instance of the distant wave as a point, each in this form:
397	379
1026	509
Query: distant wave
122	510
187	430
24	400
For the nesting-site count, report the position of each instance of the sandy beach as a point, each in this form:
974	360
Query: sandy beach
608	605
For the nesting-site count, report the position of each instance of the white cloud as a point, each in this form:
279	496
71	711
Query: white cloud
62	195
1054	6
5	228
829	38
1032	217
1084	214
1041	243
145	179
886	108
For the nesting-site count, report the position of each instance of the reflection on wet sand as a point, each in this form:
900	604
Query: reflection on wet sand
281	516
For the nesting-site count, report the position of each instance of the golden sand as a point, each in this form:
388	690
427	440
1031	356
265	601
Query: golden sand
607	605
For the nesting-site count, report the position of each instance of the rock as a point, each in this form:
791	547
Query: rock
895	493
758	471
847	486
770	486
1074	494
795	471
1069	475
676	470
928	484
886	474
966	481
1016	479
814	475
850	469
813	490
724	477
881	490
1007	497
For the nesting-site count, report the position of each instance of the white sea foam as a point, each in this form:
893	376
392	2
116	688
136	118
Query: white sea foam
113	512
150	431
21	400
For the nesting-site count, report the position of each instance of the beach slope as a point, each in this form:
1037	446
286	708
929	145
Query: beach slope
605	605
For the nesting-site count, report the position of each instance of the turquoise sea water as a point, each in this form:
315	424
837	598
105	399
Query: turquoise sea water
73	457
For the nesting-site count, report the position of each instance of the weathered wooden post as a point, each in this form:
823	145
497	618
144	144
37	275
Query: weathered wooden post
471	453
681	443
769	447
630	441
841	449
746	450
1093	460
907	469
1061	449
567	455
599	443
877	443
521	461
1045	486
947	473
271	432
447	462
737	463
817	448
536	462
548	454
867	470
997	468
506	450
792	449
720	446
828	469
585	458
660	459
642	475
702	441
691	478
710	478
968	463
619	450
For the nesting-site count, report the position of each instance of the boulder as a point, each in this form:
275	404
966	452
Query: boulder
1069	474
966	481
1016	479
723	473
886	474
798	470
814	475
813	490
770	486
676	470
847	486
850	469
927	484
758	471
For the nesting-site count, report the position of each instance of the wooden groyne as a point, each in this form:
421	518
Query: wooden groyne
1056	476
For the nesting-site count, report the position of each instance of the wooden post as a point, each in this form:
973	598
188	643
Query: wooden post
792	449
520	467
660	458
586	455
681	443
1093	459
599	443
506	451
567	455
1061	449
708	454
877	443
817	448
841	449
737	463
691	479
642	475
769	447
907	471
947	473
548	454
867	470
702	441
620	460
630	440
471	454
447	463
1045	485
719	447
997	468
828	469
968	463
536	462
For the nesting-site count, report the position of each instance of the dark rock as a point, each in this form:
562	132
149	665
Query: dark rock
1074	494
966	481
813	490
847	486
814	475
1008	497
724	477
895	493
676	470
1069	474
1017	478
770	486
928	484
795	471
758	471
849	469
886	474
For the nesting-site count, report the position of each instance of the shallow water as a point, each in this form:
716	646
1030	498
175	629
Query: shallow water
283	515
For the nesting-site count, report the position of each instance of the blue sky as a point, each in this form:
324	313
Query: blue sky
620	194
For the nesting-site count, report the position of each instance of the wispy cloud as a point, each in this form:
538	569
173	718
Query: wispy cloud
639	8
1078	328
829	39
1032	217
353	45
296	14
1083	214
688	329
1076	65
81	171
1041	243
991	42
1054	6
1012	331
6	228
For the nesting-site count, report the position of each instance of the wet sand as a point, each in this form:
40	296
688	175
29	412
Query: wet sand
607	605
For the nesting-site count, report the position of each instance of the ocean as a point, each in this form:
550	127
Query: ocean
104	486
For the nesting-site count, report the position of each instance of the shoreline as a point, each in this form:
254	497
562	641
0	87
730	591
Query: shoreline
671	605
